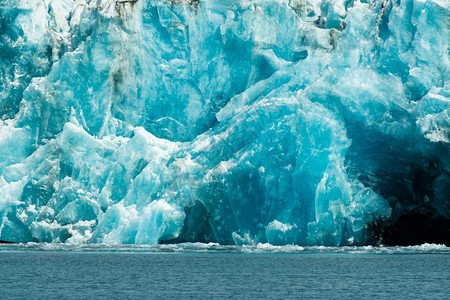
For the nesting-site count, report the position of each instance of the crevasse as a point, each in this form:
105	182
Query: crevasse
282	121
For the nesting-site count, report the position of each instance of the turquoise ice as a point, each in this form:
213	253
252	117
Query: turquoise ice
303	122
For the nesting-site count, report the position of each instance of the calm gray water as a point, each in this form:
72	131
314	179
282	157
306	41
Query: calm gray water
224	273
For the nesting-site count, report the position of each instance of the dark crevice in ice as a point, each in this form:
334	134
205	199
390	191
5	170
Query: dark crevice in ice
417	229
196	227
6	242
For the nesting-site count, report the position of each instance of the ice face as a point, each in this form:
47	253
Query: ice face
282	121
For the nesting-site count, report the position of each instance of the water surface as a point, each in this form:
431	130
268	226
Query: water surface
211	271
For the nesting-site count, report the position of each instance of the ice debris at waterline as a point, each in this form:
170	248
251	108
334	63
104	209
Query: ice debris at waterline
303	122
216	248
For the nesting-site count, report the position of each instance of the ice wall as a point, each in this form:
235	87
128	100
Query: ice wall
234	121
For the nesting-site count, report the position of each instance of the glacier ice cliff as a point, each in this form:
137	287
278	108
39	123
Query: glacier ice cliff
310	122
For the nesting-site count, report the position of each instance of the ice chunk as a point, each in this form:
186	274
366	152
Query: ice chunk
234	122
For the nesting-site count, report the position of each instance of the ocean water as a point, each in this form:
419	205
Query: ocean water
210	271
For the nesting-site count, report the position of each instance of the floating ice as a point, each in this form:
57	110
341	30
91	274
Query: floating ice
235	122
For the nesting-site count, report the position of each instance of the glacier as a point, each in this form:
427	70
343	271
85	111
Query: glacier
306	122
